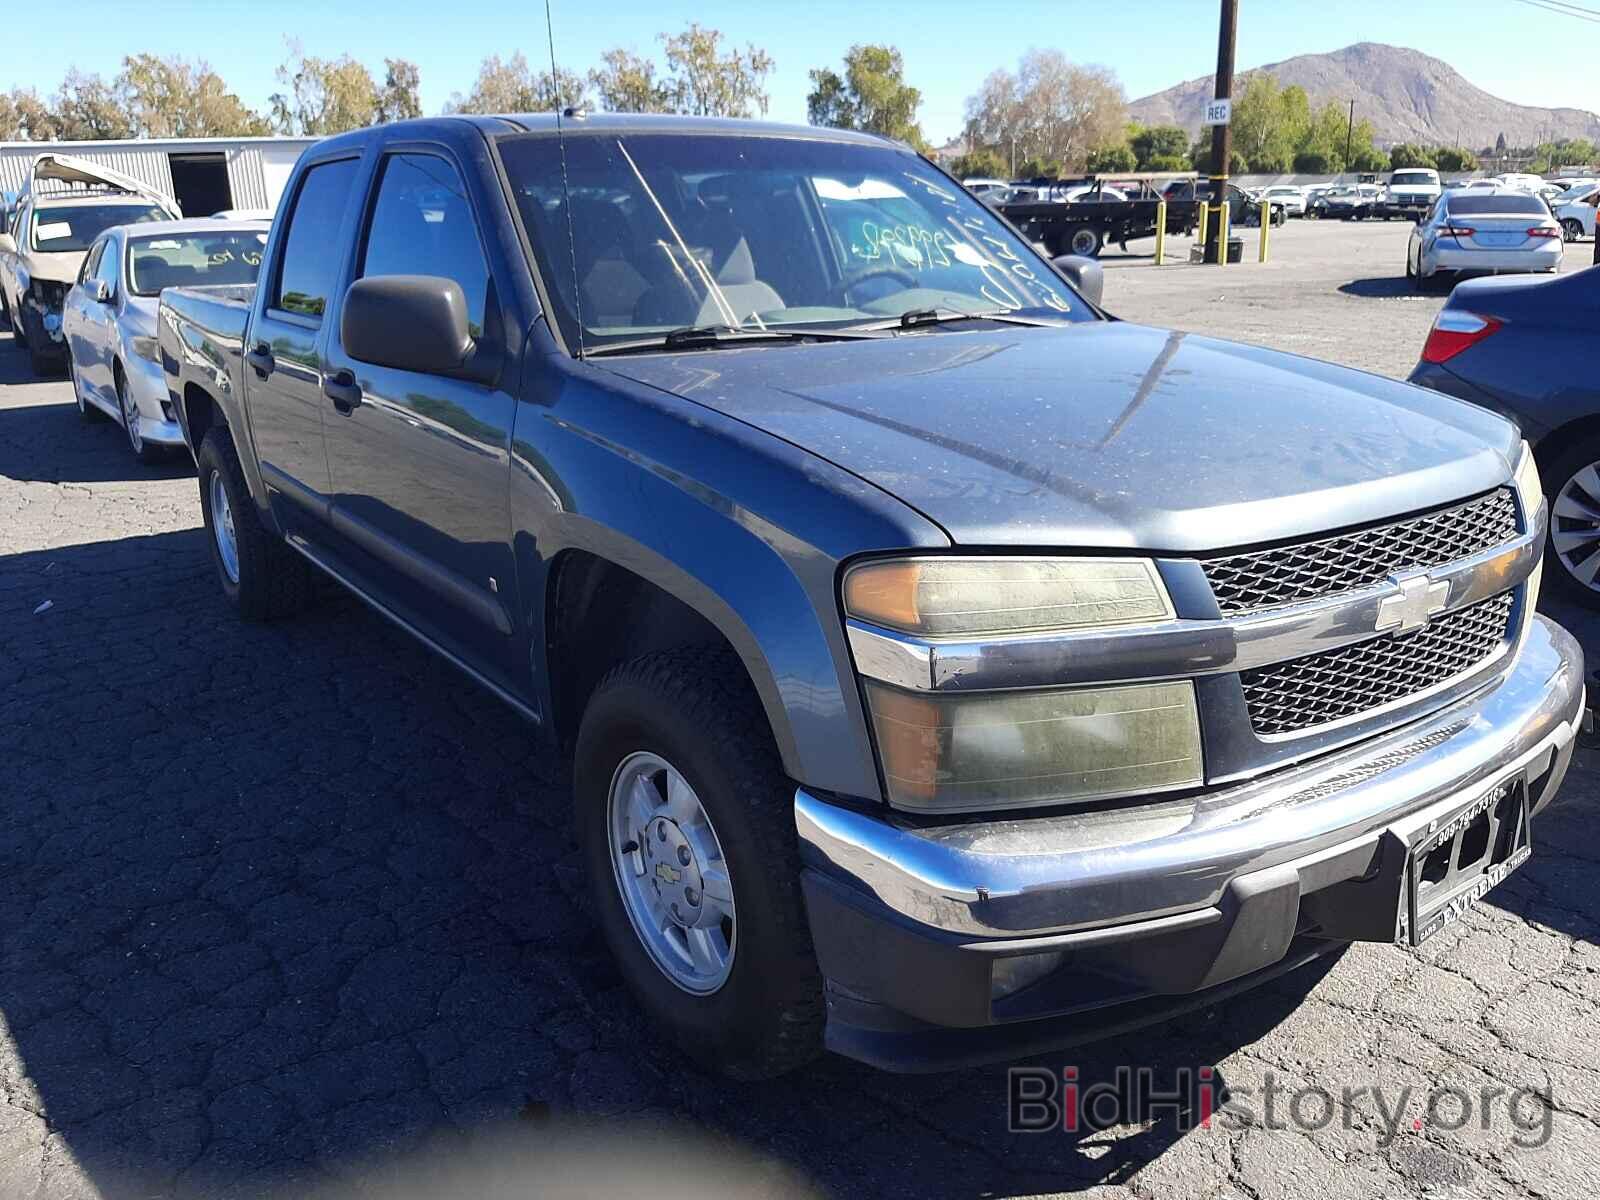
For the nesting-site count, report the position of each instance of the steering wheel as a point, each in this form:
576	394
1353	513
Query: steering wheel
846	286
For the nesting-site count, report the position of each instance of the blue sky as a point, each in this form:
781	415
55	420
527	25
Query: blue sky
1512	49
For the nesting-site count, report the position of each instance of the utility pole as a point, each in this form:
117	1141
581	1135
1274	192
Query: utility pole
1222	135
1349	134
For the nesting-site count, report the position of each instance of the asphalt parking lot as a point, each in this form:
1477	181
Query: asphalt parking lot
281	903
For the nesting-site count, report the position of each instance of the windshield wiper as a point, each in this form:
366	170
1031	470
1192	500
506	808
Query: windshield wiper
702	337
917	318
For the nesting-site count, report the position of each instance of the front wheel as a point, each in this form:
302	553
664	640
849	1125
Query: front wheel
1571	229
148	453
687	826
1572	554
260	575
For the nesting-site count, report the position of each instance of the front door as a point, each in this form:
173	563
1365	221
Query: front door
282	371
419	463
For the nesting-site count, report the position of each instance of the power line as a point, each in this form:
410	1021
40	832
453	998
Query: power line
1561	8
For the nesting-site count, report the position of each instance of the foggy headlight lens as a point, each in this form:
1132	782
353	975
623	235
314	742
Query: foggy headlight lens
993	750
968	596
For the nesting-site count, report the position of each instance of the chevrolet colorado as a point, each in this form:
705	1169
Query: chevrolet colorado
950	671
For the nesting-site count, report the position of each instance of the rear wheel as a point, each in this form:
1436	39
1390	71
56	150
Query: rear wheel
1572	555
261	576
687	826
1571	229
1086	240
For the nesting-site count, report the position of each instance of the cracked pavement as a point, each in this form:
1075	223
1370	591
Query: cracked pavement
294	909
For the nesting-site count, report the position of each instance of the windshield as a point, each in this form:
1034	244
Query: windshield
186	260
671	231
1462	206
74	227
1413	179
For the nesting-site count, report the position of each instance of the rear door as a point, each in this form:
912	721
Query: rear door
282	365
420	462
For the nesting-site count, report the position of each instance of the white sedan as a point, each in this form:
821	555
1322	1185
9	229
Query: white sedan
1473	230
109	317
1576	211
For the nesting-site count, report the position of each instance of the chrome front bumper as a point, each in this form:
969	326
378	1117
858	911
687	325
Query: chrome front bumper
1167	898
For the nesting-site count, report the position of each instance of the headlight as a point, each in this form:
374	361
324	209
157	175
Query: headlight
993	750
944	597
147	347
1529	486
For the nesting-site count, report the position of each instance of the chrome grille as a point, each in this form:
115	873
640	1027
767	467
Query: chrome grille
1347	561
1305	692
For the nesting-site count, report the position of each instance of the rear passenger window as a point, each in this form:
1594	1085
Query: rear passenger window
311	253
89	263
422	225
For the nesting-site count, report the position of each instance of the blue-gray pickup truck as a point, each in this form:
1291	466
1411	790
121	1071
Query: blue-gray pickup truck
949	670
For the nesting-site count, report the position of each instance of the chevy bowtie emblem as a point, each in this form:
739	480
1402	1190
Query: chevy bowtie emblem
668	874
1419	598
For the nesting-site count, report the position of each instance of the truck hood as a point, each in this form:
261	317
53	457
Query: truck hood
1104	434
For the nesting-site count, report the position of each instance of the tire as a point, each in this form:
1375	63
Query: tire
147	453
5	312
696	712
272	580
1563	471
1086	240
1411	273
1571	229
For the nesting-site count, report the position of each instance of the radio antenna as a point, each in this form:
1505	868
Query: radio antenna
566	188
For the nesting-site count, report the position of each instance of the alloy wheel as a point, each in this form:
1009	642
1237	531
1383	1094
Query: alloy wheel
222	527
130	415
1575	526
669	867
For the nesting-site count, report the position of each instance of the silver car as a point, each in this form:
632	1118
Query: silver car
109	317
1506	229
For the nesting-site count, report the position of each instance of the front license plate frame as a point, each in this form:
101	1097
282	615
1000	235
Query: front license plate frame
1444	878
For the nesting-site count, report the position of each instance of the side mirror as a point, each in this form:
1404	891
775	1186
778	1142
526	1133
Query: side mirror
409	322
1086	276
8	244
98	289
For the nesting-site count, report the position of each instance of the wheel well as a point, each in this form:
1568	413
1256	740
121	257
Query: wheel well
1563	438
600	615
201	411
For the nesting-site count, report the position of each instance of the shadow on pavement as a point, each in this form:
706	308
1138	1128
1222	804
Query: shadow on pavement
43	439
1385	287
279	898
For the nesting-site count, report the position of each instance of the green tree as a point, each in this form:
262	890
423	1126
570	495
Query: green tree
511	86
325	95
1369	158
980	164
708	83
25	117
1270	123
627	82
1406	155
1167	162
171	97
872	95
1159	141
1112	159
398	98
1312	162
1039	168
87	107
1049	107
1454	159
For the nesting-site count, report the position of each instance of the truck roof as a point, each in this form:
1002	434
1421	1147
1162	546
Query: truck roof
585	124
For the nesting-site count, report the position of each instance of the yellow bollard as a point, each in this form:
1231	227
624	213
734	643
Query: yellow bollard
1222	233
1266	223
1205	212
1161	230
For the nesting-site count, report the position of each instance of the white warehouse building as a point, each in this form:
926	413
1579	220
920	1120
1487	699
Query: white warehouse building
204	175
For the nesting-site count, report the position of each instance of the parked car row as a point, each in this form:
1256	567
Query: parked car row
84	258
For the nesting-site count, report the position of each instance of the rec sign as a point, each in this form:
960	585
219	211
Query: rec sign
1217	112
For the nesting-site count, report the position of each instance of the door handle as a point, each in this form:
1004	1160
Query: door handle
260	359
341	387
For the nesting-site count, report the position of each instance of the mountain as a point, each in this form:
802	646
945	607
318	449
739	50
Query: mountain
1408	97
